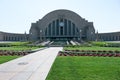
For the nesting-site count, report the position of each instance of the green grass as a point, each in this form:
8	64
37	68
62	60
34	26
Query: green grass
85	68
18	48
99	43
18	43
92	48
4	59
14	44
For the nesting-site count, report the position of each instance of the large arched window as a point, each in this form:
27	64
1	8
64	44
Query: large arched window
61	27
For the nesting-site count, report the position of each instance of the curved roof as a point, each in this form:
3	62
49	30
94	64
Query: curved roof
62	13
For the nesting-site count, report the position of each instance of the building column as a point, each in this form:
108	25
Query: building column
71	28
117	38
59	26
67	28
75	31
63	27
4	38
55	27
80	35
47	31
51	28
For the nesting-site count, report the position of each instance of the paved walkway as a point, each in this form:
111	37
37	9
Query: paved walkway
34	66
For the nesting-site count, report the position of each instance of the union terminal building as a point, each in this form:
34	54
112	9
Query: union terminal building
61	25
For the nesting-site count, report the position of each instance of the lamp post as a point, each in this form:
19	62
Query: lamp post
80	35
40	35
91	35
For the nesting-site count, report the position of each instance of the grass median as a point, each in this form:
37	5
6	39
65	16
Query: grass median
93	48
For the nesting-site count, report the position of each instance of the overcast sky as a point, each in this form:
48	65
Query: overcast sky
16	16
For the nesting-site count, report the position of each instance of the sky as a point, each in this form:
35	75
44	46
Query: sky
16	16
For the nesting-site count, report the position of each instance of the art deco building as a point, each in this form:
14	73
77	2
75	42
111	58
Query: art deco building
62	25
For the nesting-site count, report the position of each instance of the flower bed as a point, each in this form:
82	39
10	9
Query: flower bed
13	53
89	53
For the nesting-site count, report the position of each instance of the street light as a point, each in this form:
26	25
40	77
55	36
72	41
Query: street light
40	35
91	35
80	34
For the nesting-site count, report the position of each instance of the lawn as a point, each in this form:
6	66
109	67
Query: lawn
92	48
4	59
18	48
85	68
5	44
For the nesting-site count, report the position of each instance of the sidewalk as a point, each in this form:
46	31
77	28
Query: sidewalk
34	66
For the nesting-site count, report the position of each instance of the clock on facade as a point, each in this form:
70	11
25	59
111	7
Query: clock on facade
61	24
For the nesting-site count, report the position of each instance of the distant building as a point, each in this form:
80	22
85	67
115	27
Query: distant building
113	36
5	36
64	25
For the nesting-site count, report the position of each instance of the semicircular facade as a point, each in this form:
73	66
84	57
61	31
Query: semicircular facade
62	25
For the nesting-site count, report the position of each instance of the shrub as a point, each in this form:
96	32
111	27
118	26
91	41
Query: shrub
100	44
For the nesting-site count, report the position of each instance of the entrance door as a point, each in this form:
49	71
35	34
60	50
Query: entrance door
61	30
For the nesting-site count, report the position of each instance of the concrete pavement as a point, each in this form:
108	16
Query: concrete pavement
34	66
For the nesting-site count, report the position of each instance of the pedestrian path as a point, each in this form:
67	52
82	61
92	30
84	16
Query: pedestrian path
34	66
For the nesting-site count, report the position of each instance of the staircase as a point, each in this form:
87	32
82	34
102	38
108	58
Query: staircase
58	43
